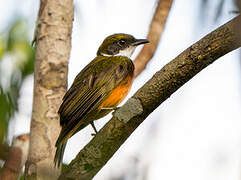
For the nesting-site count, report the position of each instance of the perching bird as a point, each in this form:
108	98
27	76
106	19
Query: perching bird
98	88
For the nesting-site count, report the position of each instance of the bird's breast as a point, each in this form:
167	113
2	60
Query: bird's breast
118	94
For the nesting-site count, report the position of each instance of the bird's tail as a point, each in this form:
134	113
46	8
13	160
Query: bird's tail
59	154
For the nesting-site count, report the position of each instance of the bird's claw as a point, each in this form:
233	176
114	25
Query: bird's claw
93	134
116	108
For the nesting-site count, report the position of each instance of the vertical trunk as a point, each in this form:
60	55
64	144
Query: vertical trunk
53	44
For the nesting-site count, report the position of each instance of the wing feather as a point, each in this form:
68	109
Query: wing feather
82	98
76	120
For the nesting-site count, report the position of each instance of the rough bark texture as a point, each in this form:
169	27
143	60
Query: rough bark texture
155	31
16	158
53	44
160	87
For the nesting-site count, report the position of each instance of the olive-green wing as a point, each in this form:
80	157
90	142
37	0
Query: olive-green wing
90	88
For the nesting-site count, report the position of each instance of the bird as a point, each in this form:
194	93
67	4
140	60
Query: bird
98	89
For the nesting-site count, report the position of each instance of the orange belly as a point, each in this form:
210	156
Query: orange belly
118	94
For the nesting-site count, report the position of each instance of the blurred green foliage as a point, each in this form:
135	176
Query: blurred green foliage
15	48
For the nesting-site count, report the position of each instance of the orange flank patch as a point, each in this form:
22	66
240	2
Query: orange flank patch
118	94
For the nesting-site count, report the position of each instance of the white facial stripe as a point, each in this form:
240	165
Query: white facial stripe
126	52
107	55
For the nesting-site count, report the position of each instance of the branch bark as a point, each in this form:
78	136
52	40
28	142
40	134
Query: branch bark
160	87
155	32
53	44
16	158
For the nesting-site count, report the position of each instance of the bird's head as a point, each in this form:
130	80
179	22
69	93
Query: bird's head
119	45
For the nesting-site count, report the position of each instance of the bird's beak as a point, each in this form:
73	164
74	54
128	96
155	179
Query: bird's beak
139	42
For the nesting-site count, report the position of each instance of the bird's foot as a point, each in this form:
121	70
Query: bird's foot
93	126
116	108
110	108
93	134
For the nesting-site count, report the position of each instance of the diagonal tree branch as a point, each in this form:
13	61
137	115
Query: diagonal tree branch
53	43
155	32
160	87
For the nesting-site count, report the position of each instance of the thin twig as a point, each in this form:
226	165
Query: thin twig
155	32
16	158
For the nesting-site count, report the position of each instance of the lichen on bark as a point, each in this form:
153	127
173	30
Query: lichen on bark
130	109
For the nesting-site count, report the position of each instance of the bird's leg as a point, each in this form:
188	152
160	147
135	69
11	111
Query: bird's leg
110	108
93	126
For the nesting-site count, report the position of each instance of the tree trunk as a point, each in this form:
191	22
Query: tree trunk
53	44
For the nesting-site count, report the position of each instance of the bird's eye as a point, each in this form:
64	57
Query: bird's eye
122	42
